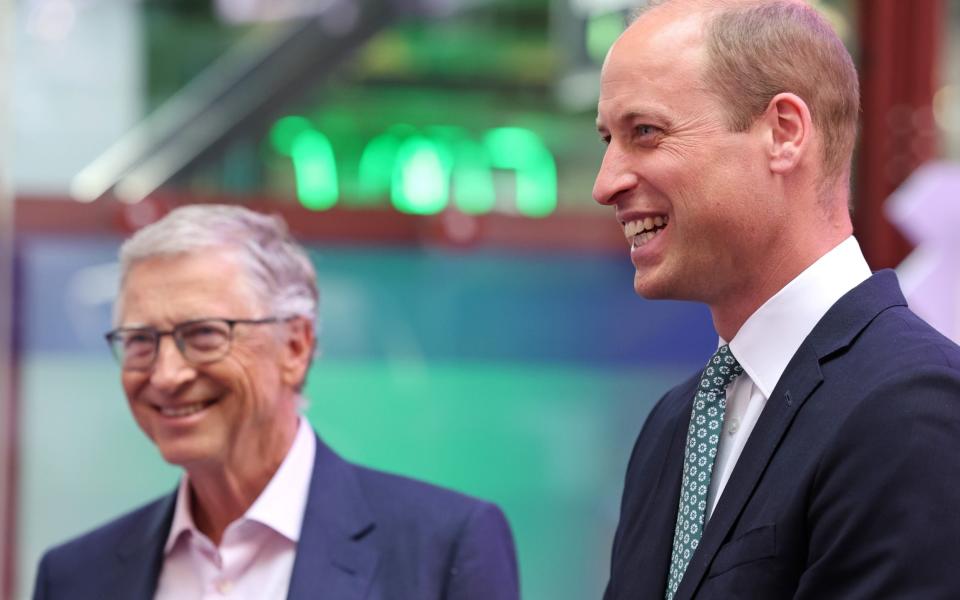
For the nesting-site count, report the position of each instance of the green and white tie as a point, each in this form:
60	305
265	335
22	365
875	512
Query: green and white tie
703	437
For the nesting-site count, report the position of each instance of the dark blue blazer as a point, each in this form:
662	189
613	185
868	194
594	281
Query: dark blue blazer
848	487
365	534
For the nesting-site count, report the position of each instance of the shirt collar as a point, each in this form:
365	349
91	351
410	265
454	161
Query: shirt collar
280	505
772	335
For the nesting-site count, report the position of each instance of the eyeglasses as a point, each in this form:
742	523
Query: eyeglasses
201	341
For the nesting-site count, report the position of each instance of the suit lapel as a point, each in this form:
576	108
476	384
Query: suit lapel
140	555
782	406
835	331
655	531
335	554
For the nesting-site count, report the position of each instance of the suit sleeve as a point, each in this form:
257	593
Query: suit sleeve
40	585
883	516
484	564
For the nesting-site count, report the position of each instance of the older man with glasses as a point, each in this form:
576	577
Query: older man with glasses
264	509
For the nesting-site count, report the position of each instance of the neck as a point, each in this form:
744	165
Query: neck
817	221
221	493
737	305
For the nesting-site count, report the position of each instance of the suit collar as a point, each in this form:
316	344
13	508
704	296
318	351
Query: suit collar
844	322
335	555
771	336
140	553
836	331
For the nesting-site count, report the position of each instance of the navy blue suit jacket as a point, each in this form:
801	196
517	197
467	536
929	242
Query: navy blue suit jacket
365	534
848	487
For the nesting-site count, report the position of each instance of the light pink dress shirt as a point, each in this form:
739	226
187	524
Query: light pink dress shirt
255	557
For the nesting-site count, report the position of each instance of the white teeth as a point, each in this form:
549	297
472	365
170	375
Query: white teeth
643	238
182	411
647	224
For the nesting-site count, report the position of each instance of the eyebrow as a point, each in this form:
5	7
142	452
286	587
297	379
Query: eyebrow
652	115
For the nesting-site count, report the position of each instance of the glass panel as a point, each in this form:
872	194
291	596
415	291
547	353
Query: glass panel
946	102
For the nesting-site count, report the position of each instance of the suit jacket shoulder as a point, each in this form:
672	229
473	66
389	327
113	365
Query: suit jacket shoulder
373	535
411	505
365	535
846	486
476	557
81	568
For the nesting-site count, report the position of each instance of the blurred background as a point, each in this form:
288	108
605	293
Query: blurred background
479	328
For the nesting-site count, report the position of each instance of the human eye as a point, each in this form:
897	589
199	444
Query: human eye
137	342
204	335
645	131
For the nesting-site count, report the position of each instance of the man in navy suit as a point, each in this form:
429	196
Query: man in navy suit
215	334
817	455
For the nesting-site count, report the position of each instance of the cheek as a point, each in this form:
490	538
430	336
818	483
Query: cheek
132	383
253	372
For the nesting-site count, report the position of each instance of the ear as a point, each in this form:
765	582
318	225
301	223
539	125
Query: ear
790	129
297	351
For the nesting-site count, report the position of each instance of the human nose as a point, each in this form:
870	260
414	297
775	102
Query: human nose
614	177
170	368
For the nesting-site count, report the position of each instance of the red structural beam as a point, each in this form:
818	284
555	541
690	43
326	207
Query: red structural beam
590	230
900	44
10	438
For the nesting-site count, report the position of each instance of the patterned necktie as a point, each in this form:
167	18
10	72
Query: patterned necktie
703	436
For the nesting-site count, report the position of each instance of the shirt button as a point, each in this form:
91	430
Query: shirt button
224	586
734	426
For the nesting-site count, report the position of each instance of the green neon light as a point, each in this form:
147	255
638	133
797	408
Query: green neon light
473	190
375	171
314	165
285	130
421	177
522	150
422	172
315	169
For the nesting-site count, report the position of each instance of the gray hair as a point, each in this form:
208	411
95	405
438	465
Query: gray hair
278	269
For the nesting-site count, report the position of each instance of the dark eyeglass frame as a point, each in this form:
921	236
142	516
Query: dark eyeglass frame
115	337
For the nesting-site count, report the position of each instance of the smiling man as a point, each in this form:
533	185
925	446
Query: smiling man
817	455
214	339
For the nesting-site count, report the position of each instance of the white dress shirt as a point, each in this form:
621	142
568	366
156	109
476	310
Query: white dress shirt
256	554
768	340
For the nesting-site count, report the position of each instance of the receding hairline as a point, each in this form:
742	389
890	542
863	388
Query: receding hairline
232	252
276	268
705	6
227	248
701	6
834	105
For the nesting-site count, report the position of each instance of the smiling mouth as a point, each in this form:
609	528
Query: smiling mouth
184	410
641	231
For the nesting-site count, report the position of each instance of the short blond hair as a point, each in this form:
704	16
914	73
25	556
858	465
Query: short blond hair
758	49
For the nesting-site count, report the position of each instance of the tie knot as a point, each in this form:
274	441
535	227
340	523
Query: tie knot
721	370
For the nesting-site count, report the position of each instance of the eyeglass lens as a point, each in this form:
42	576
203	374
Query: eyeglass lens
199	341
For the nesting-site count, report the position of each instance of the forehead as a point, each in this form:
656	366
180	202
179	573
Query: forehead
656	65
165	290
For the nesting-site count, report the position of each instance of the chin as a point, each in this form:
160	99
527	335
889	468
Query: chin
183	453
651	288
